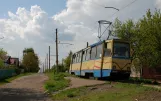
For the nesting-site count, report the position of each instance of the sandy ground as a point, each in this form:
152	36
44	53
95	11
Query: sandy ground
27	88
79	82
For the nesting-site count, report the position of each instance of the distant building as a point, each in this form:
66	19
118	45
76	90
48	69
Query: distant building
14	61
11	61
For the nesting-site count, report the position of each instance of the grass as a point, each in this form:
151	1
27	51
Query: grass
56	82
8	80
119	92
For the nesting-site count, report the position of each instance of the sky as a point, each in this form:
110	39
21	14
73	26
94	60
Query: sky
32	23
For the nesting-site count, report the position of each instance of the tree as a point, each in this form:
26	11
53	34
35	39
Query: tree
149	50
144	36
27	50
30	60
64	66
67	61
3	56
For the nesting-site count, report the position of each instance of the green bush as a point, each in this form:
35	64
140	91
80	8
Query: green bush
18	71
141	80
70	95
1	64
56	82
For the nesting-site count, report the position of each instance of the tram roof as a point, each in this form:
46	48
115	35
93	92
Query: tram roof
98	43
95	44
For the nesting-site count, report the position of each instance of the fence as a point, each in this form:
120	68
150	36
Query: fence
5	73
152	73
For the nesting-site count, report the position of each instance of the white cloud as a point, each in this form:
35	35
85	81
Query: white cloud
76	24
158	4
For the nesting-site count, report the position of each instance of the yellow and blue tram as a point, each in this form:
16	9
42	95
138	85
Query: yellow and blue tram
103	59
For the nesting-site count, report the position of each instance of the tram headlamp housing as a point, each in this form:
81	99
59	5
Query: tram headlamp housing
113	67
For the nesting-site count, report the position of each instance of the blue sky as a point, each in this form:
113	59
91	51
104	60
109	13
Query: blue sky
50	6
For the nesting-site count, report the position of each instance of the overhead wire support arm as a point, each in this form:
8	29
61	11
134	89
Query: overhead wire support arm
65	43
113	8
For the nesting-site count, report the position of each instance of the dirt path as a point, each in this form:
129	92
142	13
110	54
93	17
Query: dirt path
78	82
27	88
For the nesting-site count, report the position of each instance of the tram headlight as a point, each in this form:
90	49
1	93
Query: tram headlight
114	67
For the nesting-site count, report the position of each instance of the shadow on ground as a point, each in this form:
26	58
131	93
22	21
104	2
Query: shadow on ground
13	94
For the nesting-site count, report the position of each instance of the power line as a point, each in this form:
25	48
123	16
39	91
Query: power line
123	8
128	5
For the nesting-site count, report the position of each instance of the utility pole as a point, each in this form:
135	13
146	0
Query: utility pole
49	57
45	65
56	50
43	68
47	61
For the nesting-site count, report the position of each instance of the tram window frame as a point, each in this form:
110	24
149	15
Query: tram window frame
93	54
84	55
81	54
107	50
74	58
79	58
88	54
99	48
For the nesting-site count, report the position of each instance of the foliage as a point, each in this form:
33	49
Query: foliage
140	81
30	61
3	55
118	92
58	69
71	93
64	66
144	36
56	82
27	50
1	63
67	61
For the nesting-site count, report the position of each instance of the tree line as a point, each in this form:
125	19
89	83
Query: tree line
64	66
144	36
30	61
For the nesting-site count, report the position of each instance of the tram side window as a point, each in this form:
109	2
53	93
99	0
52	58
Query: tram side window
84	55
107	50
74	58
93	53
99	51
88	54
79	57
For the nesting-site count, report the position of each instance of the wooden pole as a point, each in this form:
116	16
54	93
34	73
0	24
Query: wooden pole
57	50
49	57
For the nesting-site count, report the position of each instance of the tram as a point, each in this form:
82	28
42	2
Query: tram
103	59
